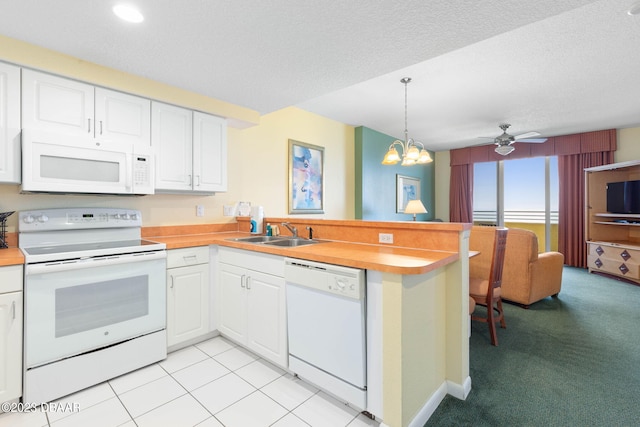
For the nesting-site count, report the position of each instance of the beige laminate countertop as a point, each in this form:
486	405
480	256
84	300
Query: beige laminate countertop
388	259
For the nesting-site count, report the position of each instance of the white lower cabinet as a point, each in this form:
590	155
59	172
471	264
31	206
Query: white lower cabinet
252	304
187	294
10	332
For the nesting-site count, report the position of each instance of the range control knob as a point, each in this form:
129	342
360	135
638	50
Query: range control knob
124	216
28	219
134	217
42	218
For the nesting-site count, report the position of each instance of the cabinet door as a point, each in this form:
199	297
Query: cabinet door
232	306
209	153
123	118
10	346
187	303
9	123
266	310
171	139
56	104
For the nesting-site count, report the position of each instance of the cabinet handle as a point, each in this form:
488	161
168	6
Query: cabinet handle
248	282
242	279
171	282
13	310
190	181
100	127
197	180
190	259
89	126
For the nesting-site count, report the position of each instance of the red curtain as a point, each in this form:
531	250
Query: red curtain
461	193
571	207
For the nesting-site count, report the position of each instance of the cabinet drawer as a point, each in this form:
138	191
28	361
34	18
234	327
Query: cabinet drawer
628	269
10	278
615	253
257	261
187	256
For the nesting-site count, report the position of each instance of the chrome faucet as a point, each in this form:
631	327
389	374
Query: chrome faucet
291	228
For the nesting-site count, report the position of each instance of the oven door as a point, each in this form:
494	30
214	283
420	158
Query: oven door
82	305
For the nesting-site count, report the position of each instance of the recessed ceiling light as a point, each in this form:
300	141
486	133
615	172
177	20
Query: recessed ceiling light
128	13
635	10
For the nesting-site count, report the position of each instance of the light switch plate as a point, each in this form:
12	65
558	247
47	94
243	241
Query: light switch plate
228	210
199	210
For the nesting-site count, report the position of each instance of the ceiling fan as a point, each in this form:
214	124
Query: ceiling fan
504	142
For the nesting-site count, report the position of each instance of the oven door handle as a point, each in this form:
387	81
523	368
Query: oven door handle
53	267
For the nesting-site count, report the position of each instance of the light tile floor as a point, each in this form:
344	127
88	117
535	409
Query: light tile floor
213	383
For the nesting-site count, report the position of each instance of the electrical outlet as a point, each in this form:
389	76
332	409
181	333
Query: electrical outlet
199	210
385	237
228	210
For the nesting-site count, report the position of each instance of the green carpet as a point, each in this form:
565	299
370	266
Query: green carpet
570	361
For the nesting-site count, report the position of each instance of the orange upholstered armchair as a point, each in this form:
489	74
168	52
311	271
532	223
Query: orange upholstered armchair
528	276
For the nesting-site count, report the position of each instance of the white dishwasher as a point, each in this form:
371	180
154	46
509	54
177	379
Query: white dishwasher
326	316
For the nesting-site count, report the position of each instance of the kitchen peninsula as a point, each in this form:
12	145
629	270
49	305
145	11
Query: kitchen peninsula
417	306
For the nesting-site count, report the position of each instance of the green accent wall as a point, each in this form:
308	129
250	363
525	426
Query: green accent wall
375	191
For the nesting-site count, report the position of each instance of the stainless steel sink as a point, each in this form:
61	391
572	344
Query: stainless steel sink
276	240
292	242
257	239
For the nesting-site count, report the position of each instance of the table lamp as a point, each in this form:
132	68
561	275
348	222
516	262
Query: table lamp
415	207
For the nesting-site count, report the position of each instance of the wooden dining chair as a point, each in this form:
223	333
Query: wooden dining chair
486	292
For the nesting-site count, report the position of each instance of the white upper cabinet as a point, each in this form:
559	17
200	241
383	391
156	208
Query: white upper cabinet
122	117
56	104
61	105
171	139
9	123
209	152
190	148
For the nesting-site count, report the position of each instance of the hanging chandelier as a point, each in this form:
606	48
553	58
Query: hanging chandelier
413	152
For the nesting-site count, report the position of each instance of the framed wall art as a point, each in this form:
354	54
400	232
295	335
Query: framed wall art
306	178
407	188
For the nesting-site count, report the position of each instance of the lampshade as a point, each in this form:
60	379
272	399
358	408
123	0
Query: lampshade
415	207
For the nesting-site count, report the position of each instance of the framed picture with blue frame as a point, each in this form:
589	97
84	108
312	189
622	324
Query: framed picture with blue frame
407	188
306	178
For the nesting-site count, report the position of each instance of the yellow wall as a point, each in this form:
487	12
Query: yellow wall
257	156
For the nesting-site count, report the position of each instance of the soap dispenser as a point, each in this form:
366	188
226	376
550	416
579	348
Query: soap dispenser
257	217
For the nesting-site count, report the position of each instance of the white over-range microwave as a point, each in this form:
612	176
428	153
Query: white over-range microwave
60	163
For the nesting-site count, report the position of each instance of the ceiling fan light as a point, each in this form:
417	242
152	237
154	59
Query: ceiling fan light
392	157
504	149
424	157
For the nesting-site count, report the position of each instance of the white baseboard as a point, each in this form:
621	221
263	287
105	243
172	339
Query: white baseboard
459	391
429	407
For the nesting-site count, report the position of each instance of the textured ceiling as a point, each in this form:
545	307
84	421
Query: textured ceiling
549	66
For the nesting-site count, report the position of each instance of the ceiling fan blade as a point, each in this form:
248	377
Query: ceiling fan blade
534	140
526	135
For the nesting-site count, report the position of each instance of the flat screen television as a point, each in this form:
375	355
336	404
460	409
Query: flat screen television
623	197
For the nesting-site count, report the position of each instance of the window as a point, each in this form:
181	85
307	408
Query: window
520	193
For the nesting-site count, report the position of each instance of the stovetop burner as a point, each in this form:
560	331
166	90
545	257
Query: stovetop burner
61	234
